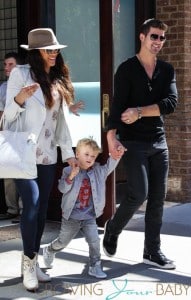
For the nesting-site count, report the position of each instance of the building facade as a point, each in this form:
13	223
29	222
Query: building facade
8	30
18	17
178	126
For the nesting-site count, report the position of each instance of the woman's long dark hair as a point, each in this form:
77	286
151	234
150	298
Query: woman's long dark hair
59	75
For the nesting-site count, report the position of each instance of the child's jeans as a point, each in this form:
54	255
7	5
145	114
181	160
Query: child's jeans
70	228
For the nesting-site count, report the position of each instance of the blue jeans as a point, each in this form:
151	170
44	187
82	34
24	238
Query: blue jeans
70	228
147	172
35	195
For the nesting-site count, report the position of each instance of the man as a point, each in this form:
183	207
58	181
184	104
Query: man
144	91
11	195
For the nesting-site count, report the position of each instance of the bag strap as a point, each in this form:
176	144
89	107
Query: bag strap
17	121
2	121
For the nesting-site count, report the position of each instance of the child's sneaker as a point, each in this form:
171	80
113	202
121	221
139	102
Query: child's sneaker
48	257
96	271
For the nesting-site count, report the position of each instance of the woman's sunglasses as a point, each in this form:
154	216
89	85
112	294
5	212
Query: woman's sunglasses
50	51
155	37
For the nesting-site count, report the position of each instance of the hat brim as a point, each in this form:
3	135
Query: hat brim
52	47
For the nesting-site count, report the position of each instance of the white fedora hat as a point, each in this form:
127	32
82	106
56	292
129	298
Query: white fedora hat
42	38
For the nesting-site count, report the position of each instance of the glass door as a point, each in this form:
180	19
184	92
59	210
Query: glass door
123	30
124	47
77	25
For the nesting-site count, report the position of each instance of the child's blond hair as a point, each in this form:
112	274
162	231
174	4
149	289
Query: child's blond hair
88	142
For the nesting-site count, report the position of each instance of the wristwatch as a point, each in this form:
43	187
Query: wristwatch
139	111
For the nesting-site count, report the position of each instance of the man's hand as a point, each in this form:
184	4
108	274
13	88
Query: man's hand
129	116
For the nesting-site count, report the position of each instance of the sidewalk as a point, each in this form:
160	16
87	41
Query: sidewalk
128	277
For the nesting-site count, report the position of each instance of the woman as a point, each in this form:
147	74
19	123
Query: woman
36	94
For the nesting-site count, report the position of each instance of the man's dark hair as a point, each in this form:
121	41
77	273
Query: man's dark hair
145	27
13	54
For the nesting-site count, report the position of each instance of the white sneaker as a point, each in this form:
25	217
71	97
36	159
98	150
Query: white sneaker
96	271
48	257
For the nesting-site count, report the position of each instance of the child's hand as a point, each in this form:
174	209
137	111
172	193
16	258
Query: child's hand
75	170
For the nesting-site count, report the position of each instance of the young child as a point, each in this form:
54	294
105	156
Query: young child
83	200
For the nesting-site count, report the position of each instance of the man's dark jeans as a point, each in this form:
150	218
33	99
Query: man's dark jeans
3	206
147	171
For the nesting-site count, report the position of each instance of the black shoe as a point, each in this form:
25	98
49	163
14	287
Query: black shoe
7	216
159	260
109	241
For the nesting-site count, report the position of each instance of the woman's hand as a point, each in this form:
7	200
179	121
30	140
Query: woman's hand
75	107
25	93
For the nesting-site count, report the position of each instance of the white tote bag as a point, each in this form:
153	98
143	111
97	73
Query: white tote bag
17	154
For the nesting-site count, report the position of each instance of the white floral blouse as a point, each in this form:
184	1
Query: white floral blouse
46	149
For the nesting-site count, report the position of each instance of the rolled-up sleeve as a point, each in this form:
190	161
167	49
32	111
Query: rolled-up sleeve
168	104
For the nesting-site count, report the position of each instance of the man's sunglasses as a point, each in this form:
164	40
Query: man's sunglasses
155	37
50	51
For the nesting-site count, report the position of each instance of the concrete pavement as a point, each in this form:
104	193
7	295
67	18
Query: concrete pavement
128	277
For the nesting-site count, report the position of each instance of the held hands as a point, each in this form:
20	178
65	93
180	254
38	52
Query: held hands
25	93
75	107
116	149
72	162
75	167
75	170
